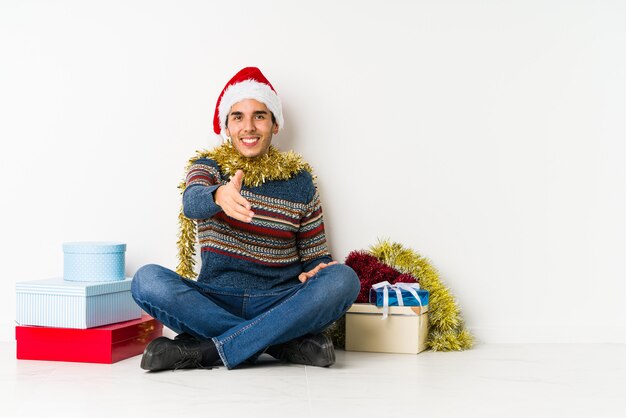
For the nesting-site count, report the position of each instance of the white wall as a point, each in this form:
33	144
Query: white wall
489	136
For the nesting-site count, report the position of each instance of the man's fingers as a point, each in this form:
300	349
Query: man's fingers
242	206
240	213
240	217
303	277
323	265
237	180
306	275
241	201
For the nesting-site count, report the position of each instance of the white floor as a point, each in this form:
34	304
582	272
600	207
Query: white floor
488	381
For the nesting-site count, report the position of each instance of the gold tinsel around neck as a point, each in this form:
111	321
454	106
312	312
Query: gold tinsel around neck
274	165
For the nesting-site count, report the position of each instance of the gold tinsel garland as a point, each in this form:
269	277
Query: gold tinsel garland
447	331
274	165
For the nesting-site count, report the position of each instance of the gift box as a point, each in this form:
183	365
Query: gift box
106	344
404	330
94	261
408	299
65	304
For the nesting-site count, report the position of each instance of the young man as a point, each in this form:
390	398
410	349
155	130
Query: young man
267	282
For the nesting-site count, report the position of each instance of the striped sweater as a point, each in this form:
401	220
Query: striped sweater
286	235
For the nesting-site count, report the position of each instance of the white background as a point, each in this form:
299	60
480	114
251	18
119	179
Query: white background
488	136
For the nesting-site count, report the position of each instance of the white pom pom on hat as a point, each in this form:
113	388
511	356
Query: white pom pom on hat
248	83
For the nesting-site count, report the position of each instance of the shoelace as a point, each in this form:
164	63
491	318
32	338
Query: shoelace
190	363
190	360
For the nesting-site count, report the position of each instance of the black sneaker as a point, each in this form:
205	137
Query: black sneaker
311	350
165	354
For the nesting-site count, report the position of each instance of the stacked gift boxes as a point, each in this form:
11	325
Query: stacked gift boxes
395	320
88	315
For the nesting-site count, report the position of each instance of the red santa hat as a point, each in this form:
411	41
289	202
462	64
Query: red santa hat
248	83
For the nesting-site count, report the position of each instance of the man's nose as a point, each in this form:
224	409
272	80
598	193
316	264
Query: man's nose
248	124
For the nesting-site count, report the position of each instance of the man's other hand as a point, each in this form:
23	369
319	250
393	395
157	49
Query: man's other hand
304	276
229	198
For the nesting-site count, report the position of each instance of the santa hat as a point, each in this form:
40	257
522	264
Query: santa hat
248	83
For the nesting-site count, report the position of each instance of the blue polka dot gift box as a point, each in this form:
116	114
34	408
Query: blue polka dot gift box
66	304
94	261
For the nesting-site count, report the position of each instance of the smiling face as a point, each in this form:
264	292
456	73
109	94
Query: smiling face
250	126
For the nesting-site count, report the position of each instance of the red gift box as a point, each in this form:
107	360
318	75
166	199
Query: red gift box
105	344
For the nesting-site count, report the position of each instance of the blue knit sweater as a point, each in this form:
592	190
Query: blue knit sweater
285	238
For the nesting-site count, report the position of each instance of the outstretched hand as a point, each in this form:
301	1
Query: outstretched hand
304	276
229	198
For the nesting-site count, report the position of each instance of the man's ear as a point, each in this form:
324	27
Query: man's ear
275	129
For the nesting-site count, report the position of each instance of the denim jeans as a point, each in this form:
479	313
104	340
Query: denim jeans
243	323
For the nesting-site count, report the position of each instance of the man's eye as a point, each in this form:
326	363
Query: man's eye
260	116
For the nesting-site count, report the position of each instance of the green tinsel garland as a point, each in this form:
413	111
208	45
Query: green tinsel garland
447	332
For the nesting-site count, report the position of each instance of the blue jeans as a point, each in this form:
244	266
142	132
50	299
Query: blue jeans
243	323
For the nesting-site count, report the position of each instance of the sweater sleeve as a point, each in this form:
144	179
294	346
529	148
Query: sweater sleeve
311	237
203	178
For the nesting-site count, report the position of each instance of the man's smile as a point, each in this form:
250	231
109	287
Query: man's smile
250	140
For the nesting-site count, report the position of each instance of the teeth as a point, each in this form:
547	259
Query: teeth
249	141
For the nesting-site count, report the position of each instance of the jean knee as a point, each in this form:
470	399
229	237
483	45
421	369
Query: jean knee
345	282
144	282
351	282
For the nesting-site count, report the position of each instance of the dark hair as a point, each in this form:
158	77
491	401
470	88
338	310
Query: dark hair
271	113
